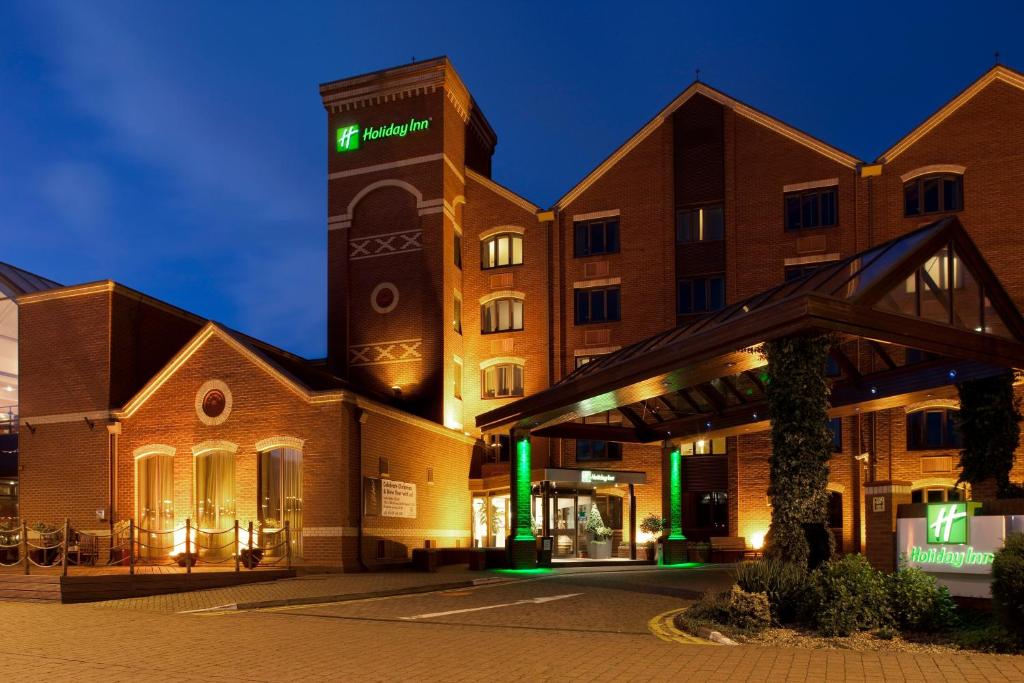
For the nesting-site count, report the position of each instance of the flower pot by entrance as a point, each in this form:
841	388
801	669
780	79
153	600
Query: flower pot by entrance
599	550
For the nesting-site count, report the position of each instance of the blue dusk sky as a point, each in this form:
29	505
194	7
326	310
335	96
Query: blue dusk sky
178	147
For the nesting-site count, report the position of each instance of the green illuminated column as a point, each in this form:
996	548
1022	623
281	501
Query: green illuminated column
522	530
674	544
522	546
675	495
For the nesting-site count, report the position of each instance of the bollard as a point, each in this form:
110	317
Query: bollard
24	544
237	551
67	536
131	547
287	545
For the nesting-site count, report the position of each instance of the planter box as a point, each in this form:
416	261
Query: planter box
599	550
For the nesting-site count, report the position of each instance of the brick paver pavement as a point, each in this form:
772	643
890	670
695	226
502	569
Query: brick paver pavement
599	633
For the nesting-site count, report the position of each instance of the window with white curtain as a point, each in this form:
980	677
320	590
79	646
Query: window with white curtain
215	490
280	494
154	485
501	315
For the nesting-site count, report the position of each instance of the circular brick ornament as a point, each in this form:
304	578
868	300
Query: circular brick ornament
213	402
384	297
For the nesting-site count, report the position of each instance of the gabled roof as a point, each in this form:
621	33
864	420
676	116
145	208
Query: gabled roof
890	293
15	281
280	365
996	73
745	110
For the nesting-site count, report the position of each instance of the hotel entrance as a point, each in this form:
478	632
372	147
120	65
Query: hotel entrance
568	505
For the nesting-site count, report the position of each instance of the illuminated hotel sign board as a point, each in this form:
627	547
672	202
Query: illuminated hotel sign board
351	136
591	477
954	544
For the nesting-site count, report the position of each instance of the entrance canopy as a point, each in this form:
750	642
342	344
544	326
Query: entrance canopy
912	317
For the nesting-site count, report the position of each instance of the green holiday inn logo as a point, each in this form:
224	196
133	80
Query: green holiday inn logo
350	136
949	523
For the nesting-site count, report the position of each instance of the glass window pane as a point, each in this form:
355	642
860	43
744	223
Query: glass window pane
612	301
503	250
809	211
517	314
215	490
952	199
612	237
581	244
582	306
931	195
597	238
792	212
716	293
700	295
517	383
828	207
911	202
492	254
597	310
684	303
504	314
933	428
517	250
714	224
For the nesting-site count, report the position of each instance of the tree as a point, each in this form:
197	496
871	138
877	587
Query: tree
797	393
595	524
990	432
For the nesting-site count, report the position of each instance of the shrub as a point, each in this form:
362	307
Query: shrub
748	611
713	606
847	595
1008	584
784	583
918	603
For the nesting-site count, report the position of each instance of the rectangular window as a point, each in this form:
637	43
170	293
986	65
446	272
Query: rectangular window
704	224
712	510
817	208
796	272
583	360
383	467
502	381
597	305
457	253
700	294
933	194
457	313
704	447
457	378
592	449
596	237
610	508
932	430
835	425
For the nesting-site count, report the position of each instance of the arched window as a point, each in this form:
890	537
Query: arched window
502	380
932	429
935	193
504	249
501	315
215	490
280	493
154	493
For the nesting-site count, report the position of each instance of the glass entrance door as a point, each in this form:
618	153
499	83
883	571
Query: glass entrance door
563	526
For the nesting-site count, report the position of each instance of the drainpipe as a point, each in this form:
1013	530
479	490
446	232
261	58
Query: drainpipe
361	416
113	432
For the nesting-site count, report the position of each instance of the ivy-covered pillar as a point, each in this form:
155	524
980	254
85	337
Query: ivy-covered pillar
797	392
521	543
989	426
674	542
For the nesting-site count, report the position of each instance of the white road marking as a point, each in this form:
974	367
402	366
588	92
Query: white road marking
531	601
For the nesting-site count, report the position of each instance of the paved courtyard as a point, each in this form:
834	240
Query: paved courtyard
555	626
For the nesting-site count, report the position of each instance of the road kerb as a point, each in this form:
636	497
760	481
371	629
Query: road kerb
663	626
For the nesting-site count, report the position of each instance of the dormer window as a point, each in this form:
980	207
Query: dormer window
936	193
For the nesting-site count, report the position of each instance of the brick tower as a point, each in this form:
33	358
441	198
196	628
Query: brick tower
399	142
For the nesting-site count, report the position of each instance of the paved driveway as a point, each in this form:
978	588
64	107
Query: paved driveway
590	626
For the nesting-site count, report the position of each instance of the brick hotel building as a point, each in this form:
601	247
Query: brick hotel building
450	297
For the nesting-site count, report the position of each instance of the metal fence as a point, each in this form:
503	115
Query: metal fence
129	545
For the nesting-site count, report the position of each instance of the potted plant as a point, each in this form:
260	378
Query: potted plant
654	527
599	547
48	535
10	541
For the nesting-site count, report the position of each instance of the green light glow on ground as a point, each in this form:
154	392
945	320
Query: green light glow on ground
683	565
675	493
538	570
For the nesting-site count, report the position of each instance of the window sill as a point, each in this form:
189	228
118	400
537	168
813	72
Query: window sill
501	331
494	398
487	269
596	322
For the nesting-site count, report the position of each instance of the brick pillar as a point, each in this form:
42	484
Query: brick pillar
880	501
674	543
521	544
